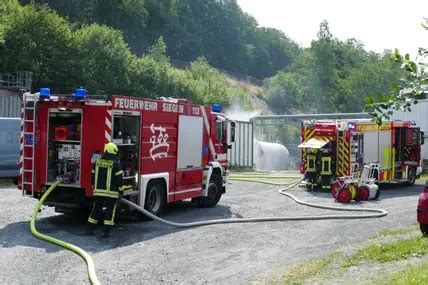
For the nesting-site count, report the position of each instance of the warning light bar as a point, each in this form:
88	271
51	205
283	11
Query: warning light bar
216	108
45	93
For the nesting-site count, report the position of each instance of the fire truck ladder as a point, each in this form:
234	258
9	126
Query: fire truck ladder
28	132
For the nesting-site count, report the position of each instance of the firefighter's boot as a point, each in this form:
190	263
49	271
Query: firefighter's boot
107	231
90	229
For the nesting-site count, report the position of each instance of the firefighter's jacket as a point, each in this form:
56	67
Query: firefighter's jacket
107	176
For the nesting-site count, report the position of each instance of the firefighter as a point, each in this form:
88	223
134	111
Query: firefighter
326	167
107	179
311	169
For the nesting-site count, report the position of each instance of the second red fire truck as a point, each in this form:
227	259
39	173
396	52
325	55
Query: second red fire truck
337	148
170	149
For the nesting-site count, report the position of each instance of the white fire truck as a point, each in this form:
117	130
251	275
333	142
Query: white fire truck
347	145
170	149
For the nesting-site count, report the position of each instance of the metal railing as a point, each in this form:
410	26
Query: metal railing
16	81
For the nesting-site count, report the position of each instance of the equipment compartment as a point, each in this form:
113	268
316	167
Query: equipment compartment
126	135
64	146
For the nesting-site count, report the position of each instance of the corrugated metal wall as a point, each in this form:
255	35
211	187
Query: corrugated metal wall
10	104
419	114
242	154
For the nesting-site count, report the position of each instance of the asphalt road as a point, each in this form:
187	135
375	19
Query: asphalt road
153	253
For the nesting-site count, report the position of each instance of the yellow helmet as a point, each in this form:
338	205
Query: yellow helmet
111	148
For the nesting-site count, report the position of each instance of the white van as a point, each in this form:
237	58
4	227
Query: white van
9	147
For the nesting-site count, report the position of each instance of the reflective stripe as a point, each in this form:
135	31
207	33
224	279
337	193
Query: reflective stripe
92	221
311	163
108	178
111	222
118	173
326	165
106	193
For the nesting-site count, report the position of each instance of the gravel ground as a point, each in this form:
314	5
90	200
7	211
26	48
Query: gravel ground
153	253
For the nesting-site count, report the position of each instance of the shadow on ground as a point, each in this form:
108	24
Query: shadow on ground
126	232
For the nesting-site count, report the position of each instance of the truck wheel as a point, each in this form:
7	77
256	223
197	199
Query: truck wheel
155	198
214	193
411	176
424	229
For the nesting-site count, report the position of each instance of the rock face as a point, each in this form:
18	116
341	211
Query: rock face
270	156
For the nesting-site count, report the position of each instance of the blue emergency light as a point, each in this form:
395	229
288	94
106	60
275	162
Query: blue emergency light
412	122
45	93
351	126
79	94
216	108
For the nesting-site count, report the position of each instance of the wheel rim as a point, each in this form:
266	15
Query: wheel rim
412	176
154	200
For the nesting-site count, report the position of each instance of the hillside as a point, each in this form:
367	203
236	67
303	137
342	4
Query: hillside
215	29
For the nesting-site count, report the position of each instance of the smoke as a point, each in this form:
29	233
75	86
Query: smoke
238	113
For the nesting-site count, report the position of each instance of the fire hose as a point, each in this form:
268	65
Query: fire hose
90	264
375	213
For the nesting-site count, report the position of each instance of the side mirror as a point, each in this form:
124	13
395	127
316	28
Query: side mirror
232	132
422	134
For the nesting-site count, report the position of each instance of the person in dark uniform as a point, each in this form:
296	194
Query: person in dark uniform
107	180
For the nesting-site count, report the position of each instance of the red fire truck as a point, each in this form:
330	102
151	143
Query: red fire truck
170	149
347	145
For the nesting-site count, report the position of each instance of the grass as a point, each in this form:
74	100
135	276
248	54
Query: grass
387	252
412	275
308	269
5	181
396	232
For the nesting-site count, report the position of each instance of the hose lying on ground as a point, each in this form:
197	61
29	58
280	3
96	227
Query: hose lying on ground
91	268
377	213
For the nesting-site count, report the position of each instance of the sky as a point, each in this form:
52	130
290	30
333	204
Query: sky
378	24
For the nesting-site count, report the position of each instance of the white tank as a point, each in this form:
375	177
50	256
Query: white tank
270	156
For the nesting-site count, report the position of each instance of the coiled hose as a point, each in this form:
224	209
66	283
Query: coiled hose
90	264
377	213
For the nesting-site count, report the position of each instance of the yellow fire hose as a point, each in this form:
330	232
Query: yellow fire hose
91	268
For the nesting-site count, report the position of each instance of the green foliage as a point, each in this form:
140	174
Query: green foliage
412	275
398	250
103	58
63	56
38	40
331	76
210	85
412	86
217	30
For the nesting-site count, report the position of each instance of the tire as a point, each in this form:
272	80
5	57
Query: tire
362	194
214	193
155	198
344	195
424	229
411	177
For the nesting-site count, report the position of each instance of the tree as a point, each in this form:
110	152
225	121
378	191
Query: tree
158	51
411	87
40	41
